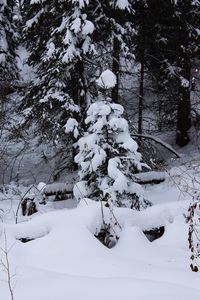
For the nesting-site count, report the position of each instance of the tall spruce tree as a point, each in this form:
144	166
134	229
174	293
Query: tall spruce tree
113	32
9	72
139	19
8	43
57	35
153	46
166	45
188	25
67	41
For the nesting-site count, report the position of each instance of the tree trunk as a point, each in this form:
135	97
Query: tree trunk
142	70
115	69
141	97
79	90
183	116
184	103
79	94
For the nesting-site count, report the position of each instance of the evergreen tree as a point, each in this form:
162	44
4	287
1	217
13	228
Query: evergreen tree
140	44
122	30
108	157
166	45
65	41
113	33
153	49
9	72
58	36
188	23
8	43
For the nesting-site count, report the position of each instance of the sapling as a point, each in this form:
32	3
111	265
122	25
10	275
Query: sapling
6	265
108	159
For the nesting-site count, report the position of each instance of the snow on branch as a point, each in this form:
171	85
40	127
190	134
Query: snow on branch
158	141
107	80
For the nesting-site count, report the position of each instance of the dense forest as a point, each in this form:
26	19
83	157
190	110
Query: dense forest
151	47
100	133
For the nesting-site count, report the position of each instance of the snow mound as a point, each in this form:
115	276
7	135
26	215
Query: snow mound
65	259
132	241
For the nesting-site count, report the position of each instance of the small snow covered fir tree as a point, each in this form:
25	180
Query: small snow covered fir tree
108	157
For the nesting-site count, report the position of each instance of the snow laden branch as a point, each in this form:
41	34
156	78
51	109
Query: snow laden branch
108	156
158	141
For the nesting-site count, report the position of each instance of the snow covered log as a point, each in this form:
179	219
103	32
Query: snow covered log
59	191
151	177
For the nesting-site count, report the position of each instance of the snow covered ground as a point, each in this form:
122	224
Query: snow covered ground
65	260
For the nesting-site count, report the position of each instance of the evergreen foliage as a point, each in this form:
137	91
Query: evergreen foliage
8	42
166	44
108	157
57	35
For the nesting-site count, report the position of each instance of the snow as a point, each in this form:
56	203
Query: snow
151	176
81	2
119	110
184	82
96	154
69	54
66	260
108	156
72	126
31	22
107	80
127	142
99	108
76	25
80	190
36	1
41	186
51	49
88	27
3	2
159	141
57	187
116	123
122	4
120	180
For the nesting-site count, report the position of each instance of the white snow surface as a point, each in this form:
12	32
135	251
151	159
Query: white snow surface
122	4
66	261
57	187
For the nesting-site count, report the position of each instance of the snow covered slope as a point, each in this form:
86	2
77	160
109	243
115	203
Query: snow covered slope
66	261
